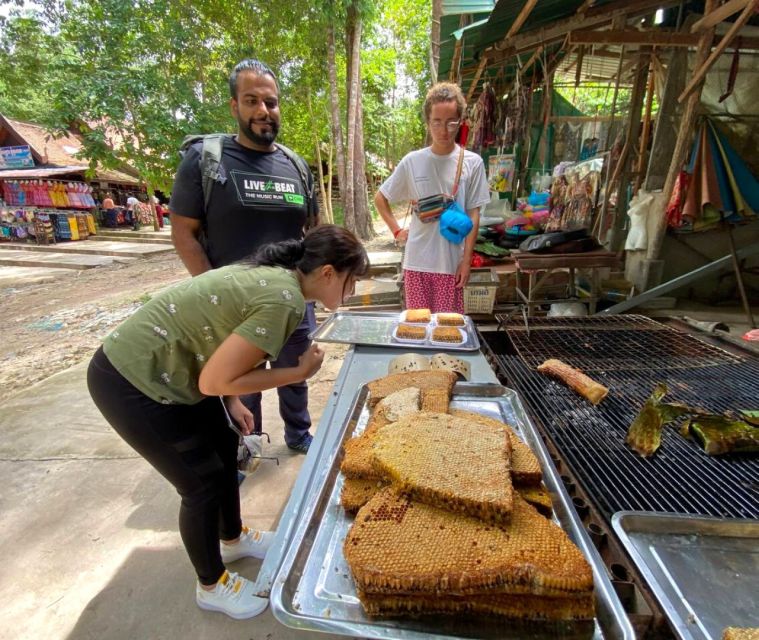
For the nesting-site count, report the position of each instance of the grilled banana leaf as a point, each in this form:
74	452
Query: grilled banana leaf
644	435
720	434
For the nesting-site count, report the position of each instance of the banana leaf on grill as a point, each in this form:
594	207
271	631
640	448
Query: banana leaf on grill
722	434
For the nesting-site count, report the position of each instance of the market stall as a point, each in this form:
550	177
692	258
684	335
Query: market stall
641	522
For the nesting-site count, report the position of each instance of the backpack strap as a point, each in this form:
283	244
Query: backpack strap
312	211
211	169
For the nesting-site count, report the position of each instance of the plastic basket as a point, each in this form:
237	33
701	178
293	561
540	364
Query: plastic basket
479	293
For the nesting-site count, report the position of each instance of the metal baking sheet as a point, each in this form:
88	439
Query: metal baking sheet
314	590
703	571
375	329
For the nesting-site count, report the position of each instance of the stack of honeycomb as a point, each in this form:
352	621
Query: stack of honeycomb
439	528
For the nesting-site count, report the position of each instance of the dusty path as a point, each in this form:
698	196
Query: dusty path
49	327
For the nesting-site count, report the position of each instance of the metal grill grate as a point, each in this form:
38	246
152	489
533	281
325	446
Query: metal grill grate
597	344
680	477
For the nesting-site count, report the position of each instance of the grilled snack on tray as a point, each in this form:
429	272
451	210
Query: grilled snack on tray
525	468
423	380
435	400
514	607
362	481
418	315
738	633
427	457
411	332
399	404
450	319
356	493
398	547
575	379
447	334
539	498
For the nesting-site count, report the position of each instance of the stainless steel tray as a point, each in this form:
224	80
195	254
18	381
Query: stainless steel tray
374	329
703	571
314	590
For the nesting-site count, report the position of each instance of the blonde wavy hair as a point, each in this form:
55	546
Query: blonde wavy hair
444	92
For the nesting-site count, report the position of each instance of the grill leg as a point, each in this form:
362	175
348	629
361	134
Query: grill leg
739	278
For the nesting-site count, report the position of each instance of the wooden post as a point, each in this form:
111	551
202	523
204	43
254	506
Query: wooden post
520	19
633	131
665	133
646	126
684	135
703	69
480	69
721	13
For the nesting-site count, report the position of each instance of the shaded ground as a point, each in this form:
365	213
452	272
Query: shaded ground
51	326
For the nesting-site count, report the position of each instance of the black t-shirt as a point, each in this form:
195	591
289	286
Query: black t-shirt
263	200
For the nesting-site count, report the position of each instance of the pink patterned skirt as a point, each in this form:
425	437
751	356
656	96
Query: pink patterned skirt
434	291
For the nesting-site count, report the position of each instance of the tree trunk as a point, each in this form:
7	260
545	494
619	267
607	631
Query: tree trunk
437	15
325	213
364	227
353	42
334	99
329	182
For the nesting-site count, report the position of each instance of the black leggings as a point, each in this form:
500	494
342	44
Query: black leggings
189	445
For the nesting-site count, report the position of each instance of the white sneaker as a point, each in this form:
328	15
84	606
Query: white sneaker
252	544
232	595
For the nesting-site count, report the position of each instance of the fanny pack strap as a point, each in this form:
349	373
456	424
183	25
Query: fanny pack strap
458	173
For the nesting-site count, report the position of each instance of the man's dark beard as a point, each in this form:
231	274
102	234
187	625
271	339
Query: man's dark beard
264	139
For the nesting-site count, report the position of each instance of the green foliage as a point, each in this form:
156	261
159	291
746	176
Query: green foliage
596	99
136	77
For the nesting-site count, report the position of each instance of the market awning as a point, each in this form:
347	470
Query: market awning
106	175
39	172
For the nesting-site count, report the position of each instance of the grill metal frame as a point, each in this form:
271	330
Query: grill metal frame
680	477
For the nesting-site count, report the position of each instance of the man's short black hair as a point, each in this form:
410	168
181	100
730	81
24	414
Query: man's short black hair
249	64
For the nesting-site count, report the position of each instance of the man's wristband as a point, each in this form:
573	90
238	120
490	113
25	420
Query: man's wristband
396	232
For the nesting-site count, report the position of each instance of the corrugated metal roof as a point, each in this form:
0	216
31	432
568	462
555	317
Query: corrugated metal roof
457	7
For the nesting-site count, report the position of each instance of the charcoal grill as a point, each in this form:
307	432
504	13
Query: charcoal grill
630	355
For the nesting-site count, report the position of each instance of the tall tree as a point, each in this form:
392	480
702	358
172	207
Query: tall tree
335	112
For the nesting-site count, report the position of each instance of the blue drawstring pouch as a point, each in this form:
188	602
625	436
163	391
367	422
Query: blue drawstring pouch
455	224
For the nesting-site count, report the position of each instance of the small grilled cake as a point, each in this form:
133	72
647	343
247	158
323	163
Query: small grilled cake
411	332
450	319
447	334
418	315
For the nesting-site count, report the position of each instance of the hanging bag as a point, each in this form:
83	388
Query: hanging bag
431	208
455	224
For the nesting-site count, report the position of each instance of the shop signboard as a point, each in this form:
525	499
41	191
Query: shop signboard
18	157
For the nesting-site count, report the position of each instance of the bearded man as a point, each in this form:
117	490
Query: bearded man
258	196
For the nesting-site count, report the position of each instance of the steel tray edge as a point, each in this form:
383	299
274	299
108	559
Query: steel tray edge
318	334
616	618
611	617
673	524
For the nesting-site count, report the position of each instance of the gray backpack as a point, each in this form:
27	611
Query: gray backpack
212	170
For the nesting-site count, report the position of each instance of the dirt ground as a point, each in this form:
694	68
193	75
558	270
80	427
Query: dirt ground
48	327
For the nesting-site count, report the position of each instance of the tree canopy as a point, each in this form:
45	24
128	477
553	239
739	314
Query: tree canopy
135	77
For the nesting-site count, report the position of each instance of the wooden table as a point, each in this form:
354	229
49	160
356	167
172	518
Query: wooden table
532	263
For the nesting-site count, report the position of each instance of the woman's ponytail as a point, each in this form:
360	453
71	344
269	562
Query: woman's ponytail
325	244
287	254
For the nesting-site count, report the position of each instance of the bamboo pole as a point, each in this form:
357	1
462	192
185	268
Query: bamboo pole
684	135
646	126
703	69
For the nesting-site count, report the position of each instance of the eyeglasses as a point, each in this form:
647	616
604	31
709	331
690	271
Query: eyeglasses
451	125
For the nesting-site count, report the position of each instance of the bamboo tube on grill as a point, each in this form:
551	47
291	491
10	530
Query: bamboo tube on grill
575	379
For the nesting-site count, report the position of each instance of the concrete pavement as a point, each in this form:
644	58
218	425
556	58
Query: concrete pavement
89	536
